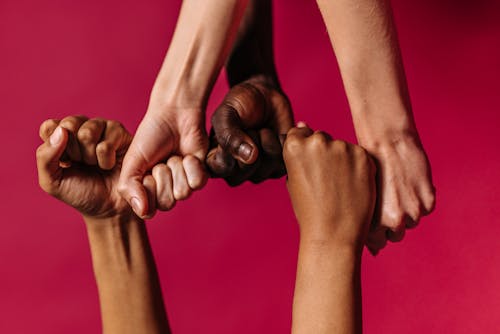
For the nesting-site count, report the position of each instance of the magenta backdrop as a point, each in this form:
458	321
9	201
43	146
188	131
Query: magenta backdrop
227	256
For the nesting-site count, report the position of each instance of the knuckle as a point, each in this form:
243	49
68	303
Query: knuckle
393	220
182	193
319	139
166	204
429	203
114	125
340	146
122	188
104	148
86	135
46	126
292	146
70	122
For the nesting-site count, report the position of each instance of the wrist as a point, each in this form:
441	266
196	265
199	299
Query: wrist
383	122
177	96
325	237
102	225
340	252
380	146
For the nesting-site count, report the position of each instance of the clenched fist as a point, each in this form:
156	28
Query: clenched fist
331	185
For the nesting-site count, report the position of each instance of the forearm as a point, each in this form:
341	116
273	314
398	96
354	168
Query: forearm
364	38
252	54
327	295
129	290
202	40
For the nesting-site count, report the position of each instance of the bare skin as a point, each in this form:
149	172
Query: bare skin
79	163
332	188
365	41
173	129
255	111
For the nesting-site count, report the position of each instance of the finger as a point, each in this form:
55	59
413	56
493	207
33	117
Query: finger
47	128
164	187
376	240
136	162
243	171
48	156
88	136
411	222
230	135
302	132
220	163
130	184
270	143
115	138
72	124
181	186
150	185
195	172
396	235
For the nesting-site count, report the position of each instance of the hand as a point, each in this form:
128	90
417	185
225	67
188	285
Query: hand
405	191
331	185
175	136
245	135
79	163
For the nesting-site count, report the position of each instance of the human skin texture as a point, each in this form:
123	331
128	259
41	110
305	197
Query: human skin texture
364	38
246	127
332	189
79	164
173	129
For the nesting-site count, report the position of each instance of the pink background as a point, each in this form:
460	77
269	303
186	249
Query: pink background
227	256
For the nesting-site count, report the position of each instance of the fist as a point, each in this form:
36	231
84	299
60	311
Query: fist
331	185
245	136
79	163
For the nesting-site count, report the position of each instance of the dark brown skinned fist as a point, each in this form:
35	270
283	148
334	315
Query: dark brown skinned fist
245	135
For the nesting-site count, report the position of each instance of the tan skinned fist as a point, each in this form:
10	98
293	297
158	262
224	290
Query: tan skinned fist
331	185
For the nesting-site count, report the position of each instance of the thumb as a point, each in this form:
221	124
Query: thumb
48	156
229	133
130	185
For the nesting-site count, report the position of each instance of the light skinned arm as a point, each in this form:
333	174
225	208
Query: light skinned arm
79	164
332	188
365	42
173	129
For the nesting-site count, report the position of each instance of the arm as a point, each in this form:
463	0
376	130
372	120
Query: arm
174	124
125	272
245	142
332	189
129	289
252	54
327	295
364	38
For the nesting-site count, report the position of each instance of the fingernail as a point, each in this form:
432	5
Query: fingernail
136	205
301	124
56	136
245	151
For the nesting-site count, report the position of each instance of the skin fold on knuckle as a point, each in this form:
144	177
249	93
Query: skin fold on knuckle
47	127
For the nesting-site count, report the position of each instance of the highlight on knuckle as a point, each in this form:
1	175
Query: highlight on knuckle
293	146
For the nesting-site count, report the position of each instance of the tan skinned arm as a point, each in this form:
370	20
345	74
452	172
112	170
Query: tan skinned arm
332	188
129	290
91	151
